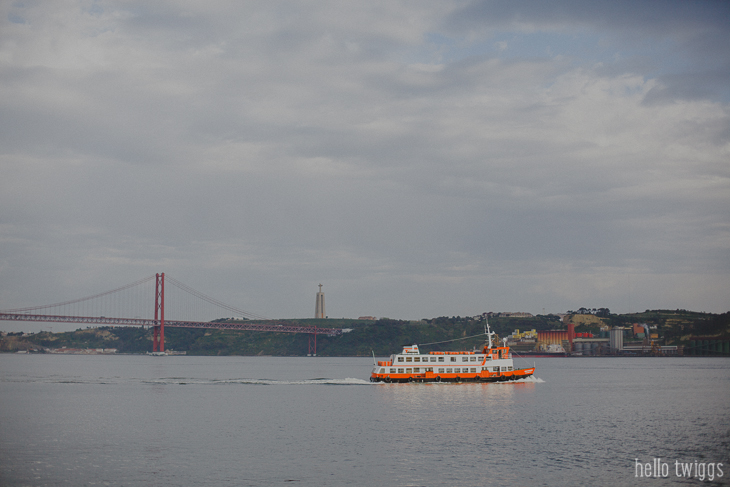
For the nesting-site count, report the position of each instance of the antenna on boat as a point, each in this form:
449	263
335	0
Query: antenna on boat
374	363
489	334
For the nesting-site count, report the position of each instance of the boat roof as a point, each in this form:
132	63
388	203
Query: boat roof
413	350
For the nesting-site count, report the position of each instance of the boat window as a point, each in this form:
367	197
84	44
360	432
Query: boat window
429	369
409	371
400	371
382	371
489	357
392	371
433	359
473	370
441	359
472	359
509	368
400	359
416	359
409	359
441	371
464	359
448	371
456	371
416	370
453	359
496	369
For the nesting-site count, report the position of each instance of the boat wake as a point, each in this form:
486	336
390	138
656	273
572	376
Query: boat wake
527	380
349	381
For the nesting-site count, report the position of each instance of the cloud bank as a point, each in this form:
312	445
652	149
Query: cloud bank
417	158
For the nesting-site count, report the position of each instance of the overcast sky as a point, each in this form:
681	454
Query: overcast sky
417	158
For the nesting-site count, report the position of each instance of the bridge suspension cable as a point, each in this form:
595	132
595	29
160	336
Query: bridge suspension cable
213	301
90	307
80	300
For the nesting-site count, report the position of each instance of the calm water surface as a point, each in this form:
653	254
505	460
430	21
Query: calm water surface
168	421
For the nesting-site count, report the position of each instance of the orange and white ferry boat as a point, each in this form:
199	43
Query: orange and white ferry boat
492	364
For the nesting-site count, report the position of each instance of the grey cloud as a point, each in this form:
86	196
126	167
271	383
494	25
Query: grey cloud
253	150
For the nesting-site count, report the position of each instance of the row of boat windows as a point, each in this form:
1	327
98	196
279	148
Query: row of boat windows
472	358
457	370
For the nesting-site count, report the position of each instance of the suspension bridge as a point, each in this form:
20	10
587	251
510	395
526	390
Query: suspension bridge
127	306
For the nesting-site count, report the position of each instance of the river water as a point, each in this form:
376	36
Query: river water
264	421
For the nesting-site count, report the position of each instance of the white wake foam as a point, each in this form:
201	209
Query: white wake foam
527	380
254	381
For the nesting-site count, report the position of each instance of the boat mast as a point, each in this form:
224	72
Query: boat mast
489	334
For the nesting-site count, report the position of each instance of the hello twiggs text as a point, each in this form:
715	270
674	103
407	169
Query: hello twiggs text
697	470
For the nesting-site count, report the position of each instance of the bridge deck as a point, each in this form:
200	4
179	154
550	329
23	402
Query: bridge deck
276	327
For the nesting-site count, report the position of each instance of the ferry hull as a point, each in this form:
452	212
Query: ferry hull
423	378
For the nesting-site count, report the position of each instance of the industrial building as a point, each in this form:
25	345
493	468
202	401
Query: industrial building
616	339
609	342
642	340
552	337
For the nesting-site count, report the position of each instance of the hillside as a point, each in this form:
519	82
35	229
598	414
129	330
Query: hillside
382	337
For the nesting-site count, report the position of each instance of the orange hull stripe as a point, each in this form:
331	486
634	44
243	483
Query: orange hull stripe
470	375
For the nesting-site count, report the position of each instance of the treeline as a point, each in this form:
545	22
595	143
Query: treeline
365	337
382	337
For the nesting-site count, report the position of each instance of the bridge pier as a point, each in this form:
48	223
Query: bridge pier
312	352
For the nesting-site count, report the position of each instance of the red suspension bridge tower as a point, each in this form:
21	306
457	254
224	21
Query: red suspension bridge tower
158	340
